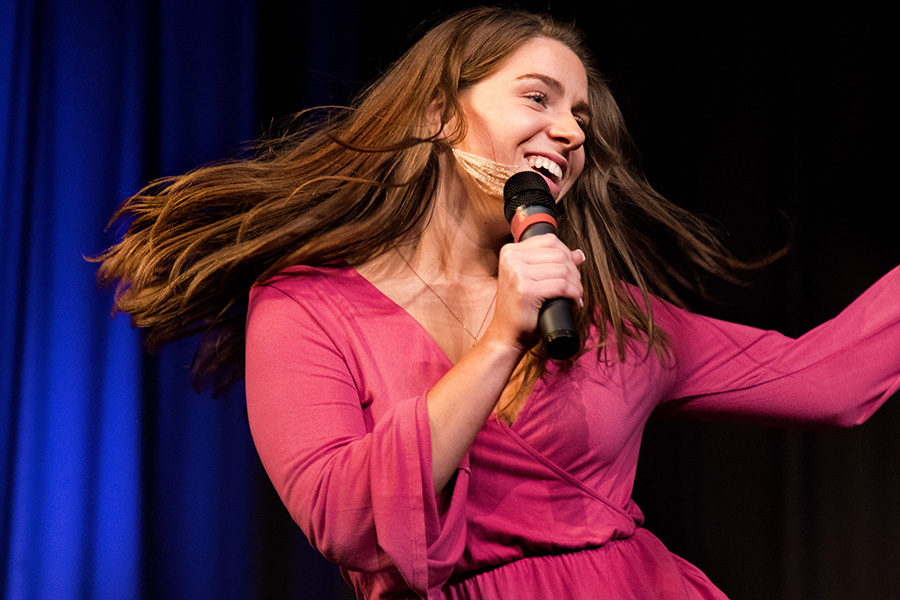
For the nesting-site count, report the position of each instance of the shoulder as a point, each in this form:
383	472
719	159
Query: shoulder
302	308
330	298
666	315
307	285
303	296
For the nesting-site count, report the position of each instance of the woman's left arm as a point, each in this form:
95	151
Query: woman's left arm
836	374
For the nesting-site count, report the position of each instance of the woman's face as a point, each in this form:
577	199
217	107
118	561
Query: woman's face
531	113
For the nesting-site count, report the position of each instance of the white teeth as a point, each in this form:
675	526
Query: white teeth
541	162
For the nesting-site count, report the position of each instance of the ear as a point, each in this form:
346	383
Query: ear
434	116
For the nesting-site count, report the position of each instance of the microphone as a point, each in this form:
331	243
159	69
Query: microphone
530	210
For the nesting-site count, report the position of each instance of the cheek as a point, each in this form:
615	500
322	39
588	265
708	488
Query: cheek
481	128
479	138
493	129
576	165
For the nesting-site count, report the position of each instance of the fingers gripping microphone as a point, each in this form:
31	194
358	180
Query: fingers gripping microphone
530	210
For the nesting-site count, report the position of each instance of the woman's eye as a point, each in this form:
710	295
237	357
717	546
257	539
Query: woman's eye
538	98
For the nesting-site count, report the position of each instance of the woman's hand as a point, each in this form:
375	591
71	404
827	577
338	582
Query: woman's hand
529	273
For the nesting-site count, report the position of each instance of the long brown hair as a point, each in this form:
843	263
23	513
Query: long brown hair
342	191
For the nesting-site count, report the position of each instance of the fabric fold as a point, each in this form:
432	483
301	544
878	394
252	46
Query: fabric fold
423	541
360	486
837	374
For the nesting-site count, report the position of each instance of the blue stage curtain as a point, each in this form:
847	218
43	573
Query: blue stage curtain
116	483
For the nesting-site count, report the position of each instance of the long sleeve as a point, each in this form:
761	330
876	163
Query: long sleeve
836	374
359	486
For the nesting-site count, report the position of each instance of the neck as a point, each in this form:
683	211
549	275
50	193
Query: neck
462	237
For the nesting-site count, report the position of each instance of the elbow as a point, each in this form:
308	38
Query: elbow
854	407
345	546
850	417
335	525
850	421
846	410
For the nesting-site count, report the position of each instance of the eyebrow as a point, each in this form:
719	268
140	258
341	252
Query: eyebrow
554	84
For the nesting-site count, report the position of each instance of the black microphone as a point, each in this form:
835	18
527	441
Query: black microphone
530	210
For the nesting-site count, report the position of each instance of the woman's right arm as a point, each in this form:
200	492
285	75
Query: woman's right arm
364	493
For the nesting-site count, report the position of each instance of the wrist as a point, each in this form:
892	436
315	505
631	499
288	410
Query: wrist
501	347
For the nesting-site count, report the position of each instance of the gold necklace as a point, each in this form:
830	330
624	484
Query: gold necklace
475	335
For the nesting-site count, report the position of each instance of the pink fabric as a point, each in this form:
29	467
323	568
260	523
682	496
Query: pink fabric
336	382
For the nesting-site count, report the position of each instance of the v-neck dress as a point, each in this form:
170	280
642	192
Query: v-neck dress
336	379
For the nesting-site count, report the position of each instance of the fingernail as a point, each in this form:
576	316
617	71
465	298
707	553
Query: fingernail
583	257
580	303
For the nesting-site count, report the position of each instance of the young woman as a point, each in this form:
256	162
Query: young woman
397	393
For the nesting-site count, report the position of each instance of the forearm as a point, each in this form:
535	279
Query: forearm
460	403
837	374
529	272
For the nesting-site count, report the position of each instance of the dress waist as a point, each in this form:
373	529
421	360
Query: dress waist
638	566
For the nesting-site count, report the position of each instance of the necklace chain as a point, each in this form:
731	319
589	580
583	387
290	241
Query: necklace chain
475	335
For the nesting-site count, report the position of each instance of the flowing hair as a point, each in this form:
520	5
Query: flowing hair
343	190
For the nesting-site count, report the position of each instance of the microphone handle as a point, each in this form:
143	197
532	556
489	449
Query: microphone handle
556	318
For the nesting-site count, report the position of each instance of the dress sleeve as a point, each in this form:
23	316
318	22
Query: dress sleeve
362	492
836	374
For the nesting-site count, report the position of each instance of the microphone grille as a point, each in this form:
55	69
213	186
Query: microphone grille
526	188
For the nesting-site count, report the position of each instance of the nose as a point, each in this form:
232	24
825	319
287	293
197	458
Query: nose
566	129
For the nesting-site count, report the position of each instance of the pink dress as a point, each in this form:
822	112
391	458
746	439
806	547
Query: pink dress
336	380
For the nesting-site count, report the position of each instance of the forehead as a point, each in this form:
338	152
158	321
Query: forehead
547	57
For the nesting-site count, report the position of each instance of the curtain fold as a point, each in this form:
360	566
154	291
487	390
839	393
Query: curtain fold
103	450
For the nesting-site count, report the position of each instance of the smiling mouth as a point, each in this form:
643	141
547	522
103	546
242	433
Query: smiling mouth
545	167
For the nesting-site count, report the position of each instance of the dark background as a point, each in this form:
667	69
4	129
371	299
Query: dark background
775	120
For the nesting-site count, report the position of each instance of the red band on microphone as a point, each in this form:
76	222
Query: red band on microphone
519	223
